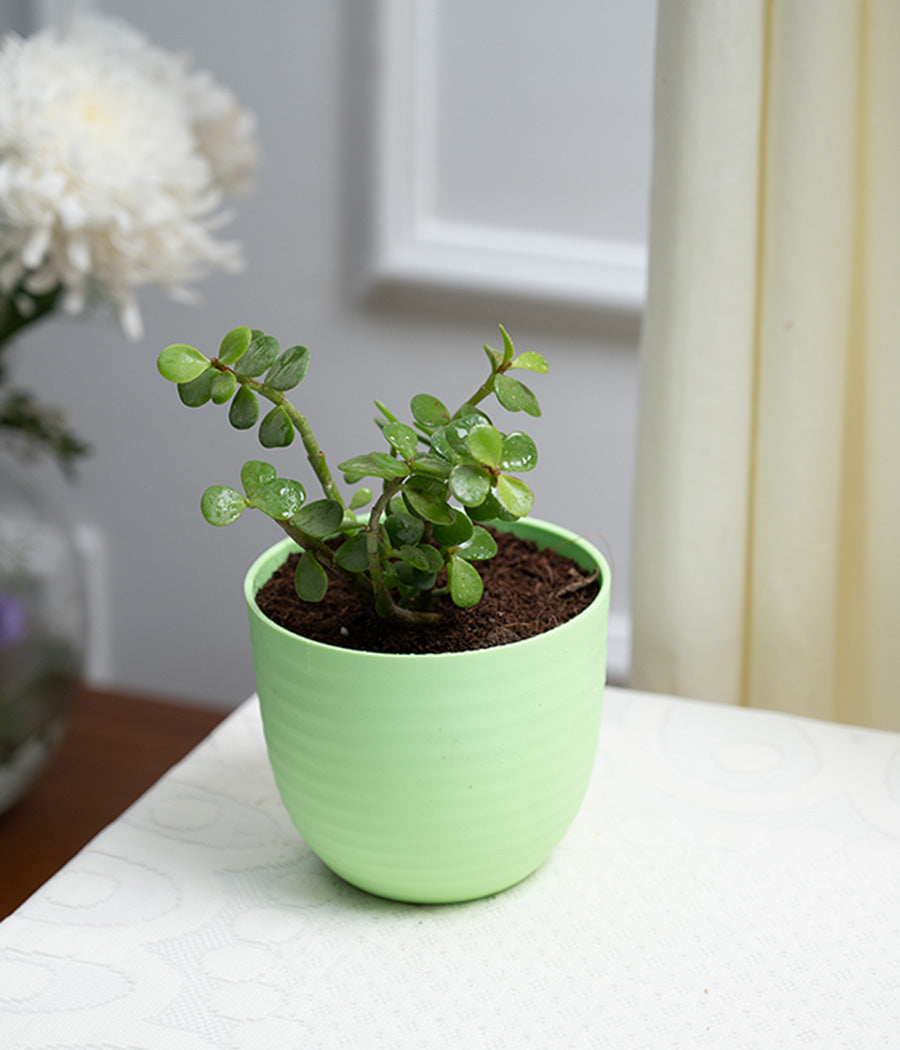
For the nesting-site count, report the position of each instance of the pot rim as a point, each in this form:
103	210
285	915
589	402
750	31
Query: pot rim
565	536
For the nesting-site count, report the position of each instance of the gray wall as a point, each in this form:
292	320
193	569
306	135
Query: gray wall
177	619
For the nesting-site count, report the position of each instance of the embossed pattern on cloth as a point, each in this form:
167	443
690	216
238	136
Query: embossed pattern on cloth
731	880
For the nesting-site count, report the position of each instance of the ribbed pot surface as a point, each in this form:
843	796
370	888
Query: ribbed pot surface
434	778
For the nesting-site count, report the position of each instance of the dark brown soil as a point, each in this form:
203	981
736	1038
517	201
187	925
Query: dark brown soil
526	592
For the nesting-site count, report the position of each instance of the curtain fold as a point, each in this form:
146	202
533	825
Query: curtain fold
767	507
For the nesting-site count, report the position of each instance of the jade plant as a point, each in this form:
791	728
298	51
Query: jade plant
442	475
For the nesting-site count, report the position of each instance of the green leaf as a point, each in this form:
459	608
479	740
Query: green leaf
515	396
310	579
276	429
289	369
519	452
466	587
414	578
490	510
360	498
375	465
470	484
222	387
244	410
221	505
479	547
180	363
403	529
280	498
353	554
514	495
428	411
433	466
389	465
403	438
531	360
494	356
454	534
440	444
197	391
508	348
386	412
486	444
425	558
255	473
320	518
260	356
427	497
457	431
234	345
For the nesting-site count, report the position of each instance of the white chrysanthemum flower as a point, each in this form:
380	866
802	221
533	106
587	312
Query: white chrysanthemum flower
114	160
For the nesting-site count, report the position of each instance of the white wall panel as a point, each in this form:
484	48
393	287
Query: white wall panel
512	150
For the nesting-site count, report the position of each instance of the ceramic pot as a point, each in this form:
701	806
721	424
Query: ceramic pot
434	778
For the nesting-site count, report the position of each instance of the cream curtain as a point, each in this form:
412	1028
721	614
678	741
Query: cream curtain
767	510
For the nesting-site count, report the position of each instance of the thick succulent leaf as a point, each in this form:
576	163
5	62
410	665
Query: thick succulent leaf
221	505
515	396
514	495
180	363
289	369
485	443
401	437
280	498
352	554
234	345
310	579
375	465
479	547
466	587
415	579
427	497
255	473
490	510
197	391
260	356
457	431
508	348
470	484
440	445
320	518
427	559
494	356
532	361
403	529
428	411
433	466
222	387
244	410
455	533
360	498
386	412
519	452
276	429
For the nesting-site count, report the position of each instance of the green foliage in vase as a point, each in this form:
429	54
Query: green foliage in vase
442	475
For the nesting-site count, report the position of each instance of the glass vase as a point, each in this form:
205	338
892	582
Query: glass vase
42	629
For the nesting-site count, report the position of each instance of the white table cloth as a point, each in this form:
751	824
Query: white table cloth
732	880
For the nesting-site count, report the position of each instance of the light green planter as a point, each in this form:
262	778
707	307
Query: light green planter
434	778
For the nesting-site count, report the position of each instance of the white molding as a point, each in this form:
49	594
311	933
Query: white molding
412	247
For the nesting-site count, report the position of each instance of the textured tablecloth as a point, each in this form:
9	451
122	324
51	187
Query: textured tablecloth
732	881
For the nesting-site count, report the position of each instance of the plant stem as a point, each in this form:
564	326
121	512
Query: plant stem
384	603
325	556
314	453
